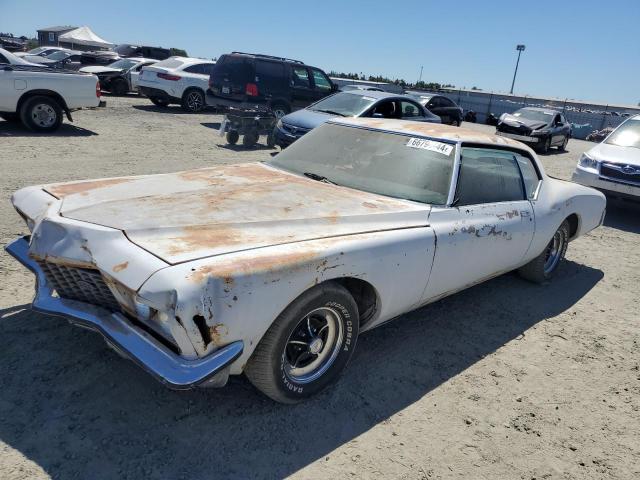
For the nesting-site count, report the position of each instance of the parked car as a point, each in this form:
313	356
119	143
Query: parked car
541	128
40	51
137	51
116	77
9	58
346	88
613	166
180	80
243	80
445	108
40	96
68	59
273	269
353	103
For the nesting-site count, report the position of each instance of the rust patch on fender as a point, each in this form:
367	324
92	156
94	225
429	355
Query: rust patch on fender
83	188
120	267
218	332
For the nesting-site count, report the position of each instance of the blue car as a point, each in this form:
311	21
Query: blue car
352	103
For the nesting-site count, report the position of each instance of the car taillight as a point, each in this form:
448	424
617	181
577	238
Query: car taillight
98	92
251	89
167	76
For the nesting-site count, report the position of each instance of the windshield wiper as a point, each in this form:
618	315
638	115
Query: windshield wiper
331	112
319	178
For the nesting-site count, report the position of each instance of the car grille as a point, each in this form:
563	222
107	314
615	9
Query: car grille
519	130
290	129
80	284
615	172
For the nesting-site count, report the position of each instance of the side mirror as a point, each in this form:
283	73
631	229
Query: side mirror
334	87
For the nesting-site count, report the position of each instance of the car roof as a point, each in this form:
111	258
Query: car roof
541	109
376	94
191	59
141	59
432	130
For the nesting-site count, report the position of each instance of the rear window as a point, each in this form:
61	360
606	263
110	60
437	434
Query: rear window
170	63
235	68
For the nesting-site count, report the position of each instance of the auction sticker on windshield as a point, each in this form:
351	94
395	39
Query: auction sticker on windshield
432	145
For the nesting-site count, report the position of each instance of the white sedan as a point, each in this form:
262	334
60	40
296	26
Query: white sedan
613	166
180	80
273	269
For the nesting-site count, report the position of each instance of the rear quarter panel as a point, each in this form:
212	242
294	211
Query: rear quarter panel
78	91
241	294
556	201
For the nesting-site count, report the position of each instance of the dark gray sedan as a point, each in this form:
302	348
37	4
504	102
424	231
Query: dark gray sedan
353	103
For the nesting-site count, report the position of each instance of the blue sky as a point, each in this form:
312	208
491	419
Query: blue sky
588	50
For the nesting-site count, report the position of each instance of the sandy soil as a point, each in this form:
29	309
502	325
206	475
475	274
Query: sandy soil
505	380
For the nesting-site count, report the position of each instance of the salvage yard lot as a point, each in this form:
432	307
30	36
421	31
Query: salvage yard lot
505	380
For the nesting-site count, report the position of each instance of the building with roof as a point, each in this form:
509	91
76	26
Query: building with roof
49	36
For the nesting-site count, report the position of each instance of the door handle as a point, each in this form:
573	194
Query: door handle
525	213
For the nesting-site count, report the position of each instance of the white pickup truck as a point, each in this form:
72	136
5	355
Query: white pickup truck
38	97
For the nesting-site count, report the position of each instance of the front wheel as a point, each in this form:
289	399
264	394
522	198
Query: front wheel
563	147
545	265
159	102
544	146
119	86
307	346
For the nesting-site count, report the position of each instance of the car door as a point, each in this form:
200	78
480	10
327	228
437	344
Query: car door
557	136
489	229
8	96
302	94
322	86
409	110
436	107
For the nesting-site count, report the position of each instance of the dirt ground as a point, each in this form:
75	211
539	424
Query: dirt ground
505	380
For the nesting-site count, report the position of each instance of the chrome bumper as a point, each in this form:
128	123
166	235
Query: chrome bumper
173	370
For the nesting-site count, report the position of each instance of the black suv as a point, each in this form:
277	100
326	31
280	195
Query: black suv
244	80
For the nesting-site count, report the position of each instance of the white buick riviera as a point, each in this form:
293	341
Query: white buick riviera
274	269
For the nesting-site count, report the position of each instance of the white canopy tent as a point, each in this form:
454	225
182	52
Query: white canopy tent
85	37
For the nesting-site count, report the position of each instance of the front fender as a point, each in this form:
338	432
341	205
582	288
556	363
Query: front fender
237	296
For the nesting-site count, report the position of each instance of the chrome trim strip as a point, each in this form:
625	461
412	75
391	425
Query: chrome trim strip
173	370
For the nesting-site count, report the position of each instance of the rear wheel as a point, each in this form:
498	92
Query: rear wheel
193	100
41	114
545	265
307	346
455	122
159	102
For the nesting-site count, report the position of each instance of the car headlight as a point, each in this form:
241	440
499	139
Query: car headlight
279	123
588	162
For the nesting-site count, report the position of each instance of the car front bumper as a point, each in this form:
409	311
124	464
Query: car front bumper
283	139
520	138
169	368
591	178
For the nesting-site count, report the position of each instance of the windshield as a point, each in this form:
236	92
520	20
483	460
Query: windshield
345	104
538	115
36	51
59	55
378	162
626	135
123	64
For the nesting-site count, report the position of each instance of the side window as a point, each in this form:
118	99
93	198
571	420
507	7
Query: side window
270	75
3	59
445	102
195	69
488	176
384	109
320	80
300	77
409	110
562	119
529	175
434	103
556	120
208	68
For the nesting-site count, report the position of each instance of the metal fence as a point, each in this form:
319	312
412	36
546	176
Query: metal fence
585	118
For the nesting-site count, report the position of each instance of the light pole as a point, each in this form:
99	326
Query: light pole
520	49
420	78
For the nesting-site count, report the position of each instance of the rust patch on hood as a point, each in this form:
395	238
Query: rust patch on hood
260	263
83	188
120	267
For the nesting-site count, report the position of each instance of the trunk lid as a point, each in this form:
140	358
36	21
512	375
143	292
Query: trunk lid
199	213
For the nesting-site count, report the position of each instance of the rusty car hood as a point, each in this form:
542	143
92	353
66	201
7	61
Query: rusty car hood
199	213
